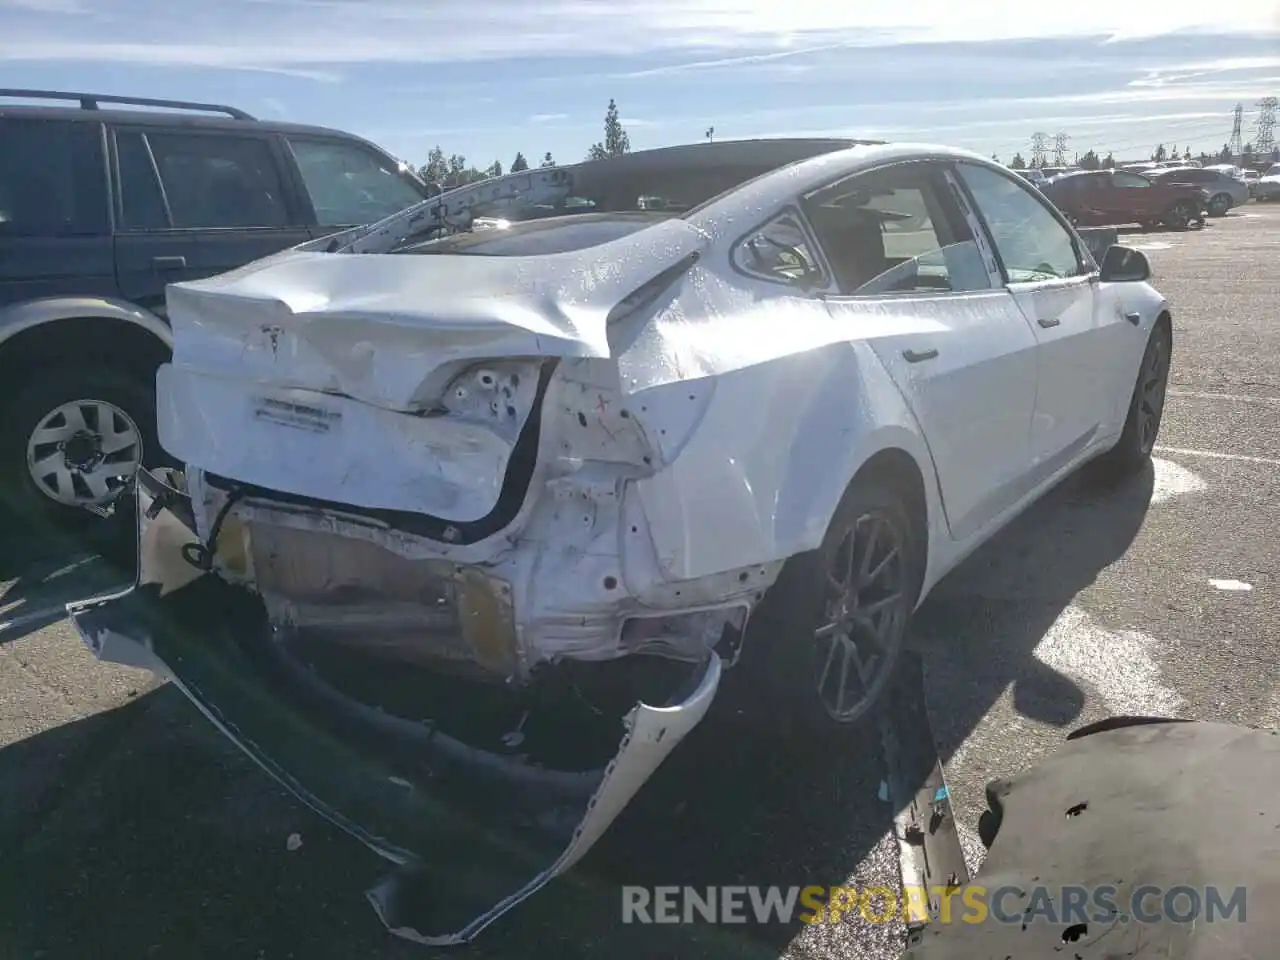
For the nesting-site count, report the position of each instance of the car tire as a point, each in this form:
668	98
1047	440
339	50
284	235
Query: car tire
791	675
1219	204
1181	215
129	401
1146	410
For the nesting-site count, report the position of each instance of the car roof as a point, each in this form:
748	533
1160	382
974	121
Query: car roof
180	116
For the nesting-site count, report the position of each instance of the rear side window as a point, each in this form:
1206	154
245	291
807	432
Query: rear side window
141	202
218	181
349	184
52	179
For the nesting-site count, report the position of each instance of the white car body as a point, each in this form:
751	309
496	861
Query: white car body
1267	186
688	504
367	409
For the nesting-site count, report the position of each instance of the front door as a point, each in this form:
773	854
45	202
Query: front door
195	204
915	285
1051	277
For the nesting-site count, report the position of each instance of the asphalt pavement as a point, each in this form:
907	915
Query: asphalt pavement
129	828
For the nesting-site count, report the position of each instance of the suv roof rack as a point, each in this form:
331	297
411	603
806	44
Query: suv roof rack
90	101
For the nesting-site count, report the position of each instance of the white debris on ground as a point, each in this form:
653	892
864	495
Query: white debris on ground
1238	585
294	842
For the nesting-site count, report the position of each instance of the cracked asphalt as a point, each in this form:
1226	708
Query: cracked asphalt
129	828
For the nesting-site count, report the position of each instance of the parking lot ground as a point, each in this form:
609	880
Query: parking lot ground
129	828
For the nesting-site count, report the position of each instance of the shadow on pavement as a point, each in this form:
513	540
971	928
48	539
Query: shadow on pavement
142	832
980	627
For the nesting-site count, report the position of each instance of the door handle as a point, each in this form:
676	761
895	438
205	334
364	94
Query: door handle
168	263
1048	322
916	356
1134	318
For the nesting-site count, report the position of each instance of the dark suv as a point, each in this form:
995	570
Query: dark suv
100	208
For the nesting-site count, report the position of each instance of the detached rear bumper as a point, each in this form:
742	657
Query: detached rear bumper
478	831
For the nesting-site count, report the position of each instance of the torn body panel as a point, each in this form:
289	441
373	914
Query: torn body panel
487	819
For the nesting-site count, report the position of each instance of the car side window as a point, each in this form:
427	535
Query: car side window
1032	243
780	251
141	200
53	180
1129	180
349	184
219	181
896	231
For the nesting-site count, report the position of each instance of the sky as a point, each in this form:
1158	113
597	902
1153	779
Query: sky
488	78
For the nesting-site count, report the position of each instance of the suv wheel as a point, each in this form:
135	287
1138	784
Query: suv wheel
1219	204
72	441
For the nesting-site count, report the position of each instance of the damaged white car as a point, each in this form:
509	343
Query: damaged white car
479	501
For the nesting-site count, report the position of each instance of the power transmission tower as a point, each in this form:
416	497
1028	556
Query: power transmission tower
1039	148
1060	150
1236	146
1264	140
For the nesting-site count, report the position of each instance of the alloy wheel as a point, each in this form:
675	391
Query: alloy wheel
82	453
864	617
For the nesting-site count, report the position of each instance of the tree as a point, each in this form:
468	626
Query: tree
1090	161
495	169
437	168
547	161
519	163
1246	155
1225	155
1108	162
1186	154
995	157
1017	163
1160	153
616	142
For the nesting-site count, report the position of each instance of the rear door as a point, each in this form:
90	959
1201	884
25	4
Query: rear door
348	184
55	226
1052	277
903	251
194	203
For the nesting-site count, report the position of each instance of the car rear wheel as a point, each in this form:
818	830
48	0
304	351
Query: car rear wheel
70	442
1146	410
1219	204
824	643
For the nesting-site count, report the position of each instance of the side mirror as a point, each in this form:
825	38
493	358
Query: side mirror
1125	265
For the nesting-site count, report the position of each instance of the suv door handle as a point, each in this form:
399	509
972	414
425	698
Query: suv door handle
916	356
1048	322
168	263
1134	318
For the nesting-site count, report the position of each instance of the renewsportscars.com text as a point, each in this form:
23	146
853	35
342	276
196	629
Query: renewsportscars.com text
972	904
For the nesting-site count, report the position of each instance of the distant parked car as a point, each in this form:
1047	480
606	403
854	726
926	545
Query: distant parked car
1225	191
101	209
1111	197
1035	175
1268	185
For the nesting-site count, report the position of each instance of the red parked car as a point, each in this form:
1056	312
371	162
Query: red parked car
1111	197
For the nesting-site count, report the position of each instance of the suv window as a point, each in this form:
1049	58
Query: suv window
349	184
1122	179
1031	242
896	231
52	179
219	181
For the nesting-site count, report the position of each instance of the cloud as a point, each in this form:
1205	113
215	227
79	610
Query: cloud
547	117
301	33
